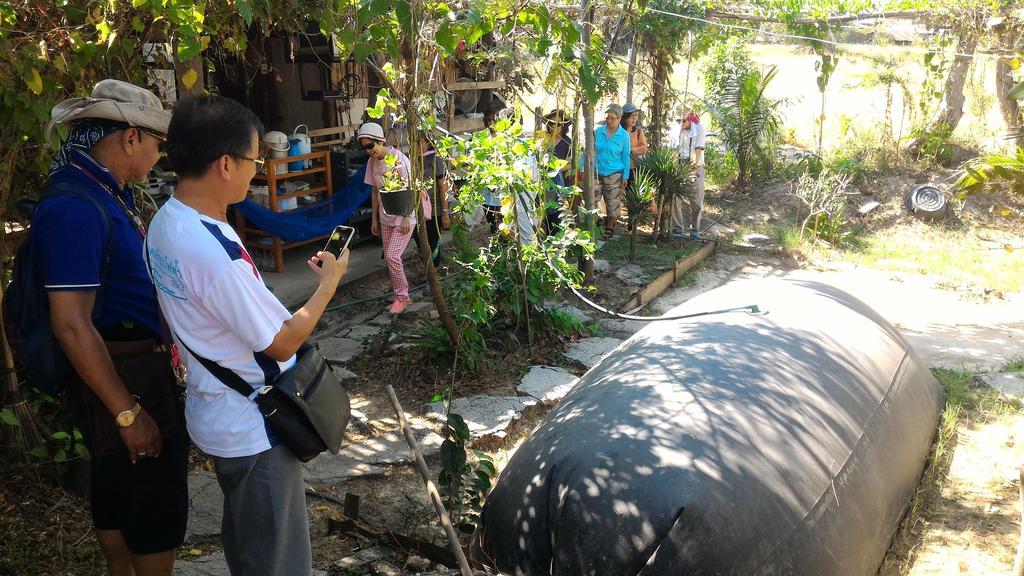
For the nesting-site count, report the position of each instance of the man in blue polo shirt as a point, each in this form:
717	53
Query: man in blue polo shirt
611	162
86	237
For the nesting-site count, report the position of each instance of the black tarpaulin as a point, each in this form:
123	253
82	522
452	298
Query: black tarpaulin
787	442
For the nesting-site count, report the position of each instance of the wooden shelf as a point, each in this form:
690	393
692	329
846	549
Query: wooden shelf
323	190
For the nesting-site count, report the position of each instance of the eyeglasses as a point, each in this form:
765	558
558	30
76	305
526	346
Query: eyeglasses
258	161
368	146
161	138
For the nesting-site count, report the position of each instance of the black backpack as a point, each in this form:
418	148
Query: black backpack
26	308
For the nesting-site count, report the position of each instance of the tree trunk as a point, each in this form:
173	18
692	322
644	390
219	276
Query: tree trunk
1018	563
951	110
1009	107
658	94
410	53
630	74
589	223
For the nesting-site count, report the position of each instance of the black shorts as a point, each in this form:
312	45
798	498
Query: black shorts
147	501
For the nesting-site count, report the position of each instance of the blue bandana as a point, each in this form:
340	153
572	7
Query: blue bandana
84	135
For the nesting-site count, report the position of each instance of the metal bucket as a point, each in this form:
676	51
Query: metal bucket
397	202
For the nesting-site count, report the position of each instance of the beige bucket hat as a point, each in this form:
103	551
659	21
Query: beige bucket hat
114	100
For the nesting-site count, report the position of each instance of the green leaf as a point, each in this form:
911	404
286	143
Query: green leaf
80	450
139	3
60	436
244	10
445	38
34	81
38	452
7	417
60	456
459	426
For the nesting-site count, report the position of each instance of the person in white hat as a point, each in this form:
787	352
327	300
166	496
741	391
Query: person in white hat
87	237
395	229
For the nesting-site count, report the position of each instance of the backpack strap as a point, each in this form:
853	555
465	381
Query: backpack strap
64	188
227	377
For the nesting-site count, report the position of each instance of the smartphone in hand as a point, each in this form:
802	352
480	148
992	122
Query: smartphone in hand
338	241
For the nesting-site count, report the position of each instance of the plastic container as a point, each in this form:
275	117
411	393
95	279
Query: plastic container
277	143
299	144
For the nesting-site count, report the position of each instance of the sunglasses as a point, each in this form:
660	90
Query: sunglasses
161	138
368	146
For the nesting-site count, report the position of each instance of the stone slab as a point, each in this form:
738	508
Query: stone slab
1011	384
330	468
340	350
361	332
616	328
485	415
205	505
632	274
573	311
602	265
589	351
391	448
344	375
384	319
547	383
212	565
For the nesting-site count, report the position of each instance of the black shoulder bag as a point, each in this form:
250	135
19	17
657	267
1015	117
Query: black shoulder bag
307	407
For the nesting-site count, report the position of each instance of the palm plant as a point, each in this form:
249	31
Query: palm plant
991	172
671	181
639	200
750	121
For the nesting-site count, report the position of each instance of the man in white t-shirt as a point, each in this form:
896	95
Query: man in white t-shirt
689	142
218	307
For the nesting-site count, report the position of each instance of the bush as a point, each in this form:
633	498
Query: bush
936	145
824	213
720	166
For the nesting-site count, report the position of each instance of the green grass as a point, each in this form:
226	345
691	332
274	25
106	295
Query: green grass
650	256
950	253
1014	365
786	238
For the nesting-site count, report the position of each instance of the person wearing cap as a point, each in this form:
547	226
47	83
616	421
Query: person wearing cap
87	237
690	146
220	311
394	229
556	139
637	137
435	172
611	164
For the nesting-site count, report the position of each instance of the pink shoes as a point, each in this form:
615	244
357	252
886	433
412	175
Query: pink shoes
399	305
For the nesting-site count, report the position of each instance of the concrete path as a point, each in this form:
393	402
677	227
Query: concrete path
945	329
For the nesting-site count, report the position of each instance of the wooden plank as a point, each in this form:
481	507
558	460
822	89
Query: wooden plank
458	86
332	130
327	143
466	125
668	278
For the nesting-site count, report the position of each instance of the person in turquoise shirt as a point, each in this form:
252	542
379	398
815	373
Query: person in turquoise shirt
611	163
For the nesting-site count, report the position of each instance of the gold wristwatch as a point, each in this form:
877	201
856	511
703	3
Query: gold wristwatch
126	418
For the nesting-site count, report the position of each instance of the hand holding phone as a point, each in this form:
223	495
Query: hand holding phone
338	241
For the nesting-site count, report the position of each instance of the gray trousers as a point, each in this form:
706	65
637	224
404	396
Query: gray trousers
265	527
696	205
611	189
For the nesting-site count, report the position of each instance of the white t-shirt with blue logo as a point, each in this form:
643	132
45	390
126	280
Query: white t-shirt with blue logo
215	301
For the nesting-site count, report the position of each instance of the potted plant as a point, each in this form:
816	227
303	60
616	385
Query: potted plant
396	197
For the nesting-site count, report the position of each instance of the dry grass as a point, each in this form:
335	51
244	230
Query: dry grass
964	517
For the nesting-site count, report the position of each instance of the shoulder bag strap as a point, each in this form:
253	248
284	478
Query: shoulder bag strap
64	189
227	377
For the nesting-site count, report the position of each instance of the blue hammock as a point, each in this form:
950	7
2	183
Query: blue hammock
311	220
